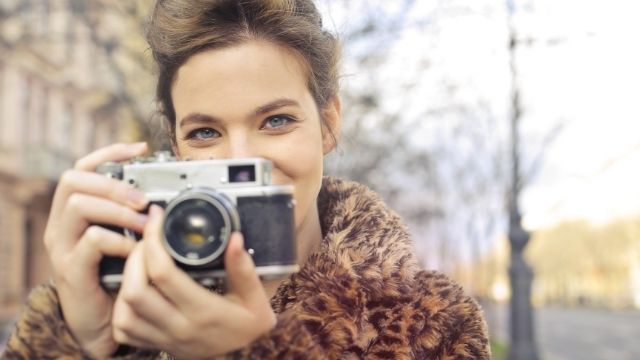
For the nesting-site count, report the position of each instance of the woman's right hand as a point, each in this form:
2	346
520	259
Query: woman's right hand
76	245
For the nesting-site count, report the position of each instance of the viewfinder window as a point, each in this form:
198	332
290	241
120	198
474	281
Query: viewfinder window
242	173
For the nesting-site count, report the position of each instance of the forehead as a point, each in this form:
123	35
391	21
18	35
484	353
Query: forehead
244	70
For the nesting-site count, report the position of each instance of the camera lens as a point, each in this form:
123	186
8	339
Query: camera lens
197	226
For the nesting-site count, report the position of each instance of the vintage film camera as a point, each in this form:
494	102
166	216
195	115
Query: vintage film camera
205	201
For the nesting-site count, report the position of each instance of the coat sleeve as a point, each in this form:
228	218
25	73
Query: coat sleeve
41	332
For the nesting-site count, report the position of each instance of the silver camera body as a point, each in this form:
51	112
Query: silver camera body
205	201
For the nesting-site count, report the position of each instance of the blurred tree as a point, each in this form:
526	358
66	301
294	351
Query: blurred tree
429	140
117	28
579	263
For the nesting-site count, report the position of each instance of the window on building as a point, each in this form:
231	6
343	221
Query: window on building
26	112
37	15
46	16
70	36
36	111
66	127
43	117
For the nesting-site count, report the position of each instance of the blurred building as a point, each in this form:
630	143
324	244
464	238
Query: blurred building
59	99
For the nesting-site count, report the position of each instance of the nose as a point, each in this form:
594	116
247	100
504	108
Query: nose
239	145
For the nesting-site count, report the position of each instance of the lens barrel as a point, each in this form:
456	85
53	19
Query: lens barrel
197	226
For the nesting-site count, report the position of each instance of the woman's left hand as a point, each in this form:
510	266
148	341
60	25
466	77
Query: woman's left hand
178	315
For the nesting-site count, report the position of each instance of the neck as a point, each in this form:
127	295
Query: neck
308	235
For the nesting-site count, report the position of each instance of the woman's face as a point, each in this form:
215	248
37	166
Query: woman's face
252	100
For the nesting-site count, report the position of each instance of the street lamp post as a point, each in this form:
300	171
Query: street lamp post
522	338
522	345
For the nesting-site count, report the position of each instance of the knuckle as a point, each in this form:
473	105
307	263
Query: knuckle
117	190
160	275
118	335
182	333
122	325
119	321
132	296
93	234
67	177
74	202
80	163
126	216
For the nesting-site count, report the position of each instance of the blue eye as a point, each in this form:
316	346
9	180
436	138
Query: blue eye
277	121
203	134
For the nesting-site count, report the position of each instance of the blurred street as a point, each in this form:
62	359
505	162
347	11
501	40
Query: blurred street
588	334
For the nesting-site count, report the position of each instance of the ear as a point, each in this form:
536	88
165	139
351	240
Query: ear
331	124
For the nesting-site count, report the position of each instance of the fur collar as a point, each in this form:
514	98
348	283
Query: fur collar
363	240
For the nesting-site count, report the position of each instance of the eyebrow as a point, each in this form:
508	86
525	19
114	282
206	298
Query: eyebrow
275	105
199	118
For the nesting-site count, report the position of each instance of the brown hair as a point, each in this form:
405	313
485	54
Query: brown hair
178	29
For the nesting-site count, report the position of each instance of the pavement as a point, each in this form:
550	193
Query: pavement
573	334
588	334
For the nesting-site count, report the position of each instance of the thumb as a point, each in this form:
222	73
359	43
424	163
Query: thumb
242	277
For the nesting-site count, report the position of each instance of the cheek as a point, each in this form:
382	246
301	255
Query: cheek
299	159
301	166
298	166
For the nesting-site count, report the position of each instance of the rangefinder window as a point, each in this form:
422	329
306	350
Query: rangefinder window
242	173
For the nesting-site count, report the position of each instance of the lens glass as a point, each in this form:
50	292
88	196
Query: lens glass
195	229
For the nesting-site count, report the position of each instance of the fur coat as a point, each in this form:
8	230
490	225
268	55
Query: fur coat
361	295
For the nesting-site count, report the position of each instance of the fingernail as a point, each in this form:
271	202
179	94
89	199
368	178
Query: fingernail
154	210
137	198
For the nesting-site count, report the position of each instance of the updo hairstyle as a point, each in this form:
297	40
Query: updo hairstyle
178	29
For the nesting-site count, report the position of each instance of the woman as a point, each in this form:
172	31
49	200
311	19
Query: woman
240	79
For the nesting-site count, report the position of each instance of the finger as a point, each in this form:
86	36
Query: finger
131	329
187	295
144	299
82	210
95	243
115	152
98	242
76	181
241	274
97	210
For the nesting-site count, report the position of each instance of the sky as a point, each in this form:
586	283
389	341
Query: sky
579	71
589	82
